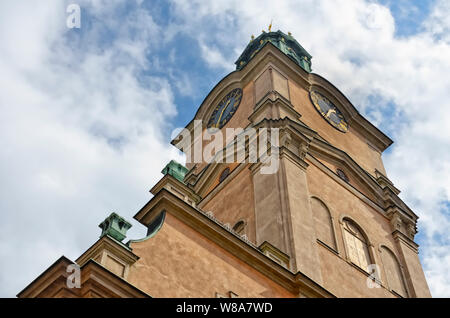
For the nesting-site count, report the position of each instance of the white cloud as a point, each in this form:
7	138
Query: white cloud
81	131
81	127
214	58
354	46
438	24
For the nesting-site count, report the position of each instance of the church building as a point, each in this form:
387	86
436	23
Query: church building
314	216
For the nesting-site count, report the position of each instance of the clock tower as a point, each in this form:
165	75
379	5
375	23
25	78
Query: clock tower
324	221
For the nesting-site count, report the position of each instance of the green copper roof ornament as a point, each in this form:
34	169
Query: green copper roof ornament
176	170
284	42
115	226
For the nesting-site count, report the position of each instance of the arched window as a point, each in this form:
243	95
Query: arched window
342	175
224	174
239	227
356	244
323	223
393	272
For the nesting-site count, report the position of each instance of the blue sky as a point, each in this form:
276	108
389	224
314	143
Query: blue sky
409	15
86	114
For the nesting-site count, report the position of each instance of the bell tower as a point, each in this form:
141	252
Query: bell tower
283	194
329	210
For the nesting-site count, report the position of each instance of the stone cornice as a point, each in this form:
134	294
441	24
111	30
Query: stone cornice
221	185
308	139
320	148
209	176
272	99
402	222
54	272
96	277
296	139
383	181
168	180
346	185
95	280
407	241
392	199
382	188
108	243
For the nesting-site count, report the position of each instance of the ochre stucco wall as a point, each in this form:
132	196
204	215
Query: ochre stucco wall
340	277
216	178
179	262
352	178
235	202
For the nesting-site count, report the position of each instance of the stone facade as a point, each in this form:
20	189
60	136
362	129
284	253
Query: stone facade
303	231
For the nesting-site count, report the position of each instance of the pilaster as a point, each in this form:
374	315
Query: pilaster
404	229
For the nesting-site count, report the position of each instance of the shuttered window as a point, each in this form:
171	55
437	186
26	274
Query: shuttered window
357	248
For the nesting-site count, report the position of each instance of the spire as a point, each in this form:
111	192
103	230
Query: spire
284	42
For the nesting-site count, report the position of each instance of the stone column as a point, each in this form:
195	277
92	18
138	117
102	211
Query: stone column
302	236
415	277
283	213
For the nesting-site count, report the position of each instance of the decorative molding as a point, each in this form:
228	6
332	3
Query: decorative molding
180	189
346	185
105	247
275	254
402	222
96	281
402	238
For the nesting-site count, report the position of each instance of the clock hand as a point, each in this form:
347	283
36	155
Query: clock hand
220	117
331	110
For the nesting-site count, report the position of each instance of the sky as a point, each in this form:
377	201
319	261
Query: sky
86	114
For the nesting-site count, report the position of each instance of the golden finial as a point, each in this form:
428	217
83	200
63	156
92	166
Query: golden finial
253	37
289	33
270	26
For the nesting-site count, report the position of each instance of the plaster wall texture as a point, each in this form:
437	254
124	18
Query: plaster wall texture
179	262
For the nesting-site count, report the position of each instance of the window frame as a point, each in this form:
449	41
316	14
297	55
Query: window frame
370	254
224	174
243	229
332	227
402	277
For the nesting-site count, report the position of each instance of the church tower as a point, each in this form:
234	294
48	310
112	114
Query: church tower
284	194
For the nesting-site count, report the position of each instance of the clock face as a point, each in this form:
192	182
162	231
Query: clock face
329	111
225	109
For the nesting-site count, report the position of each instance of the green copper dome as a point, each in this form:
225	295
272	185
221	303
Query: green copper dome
116	226
176	170
285	43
